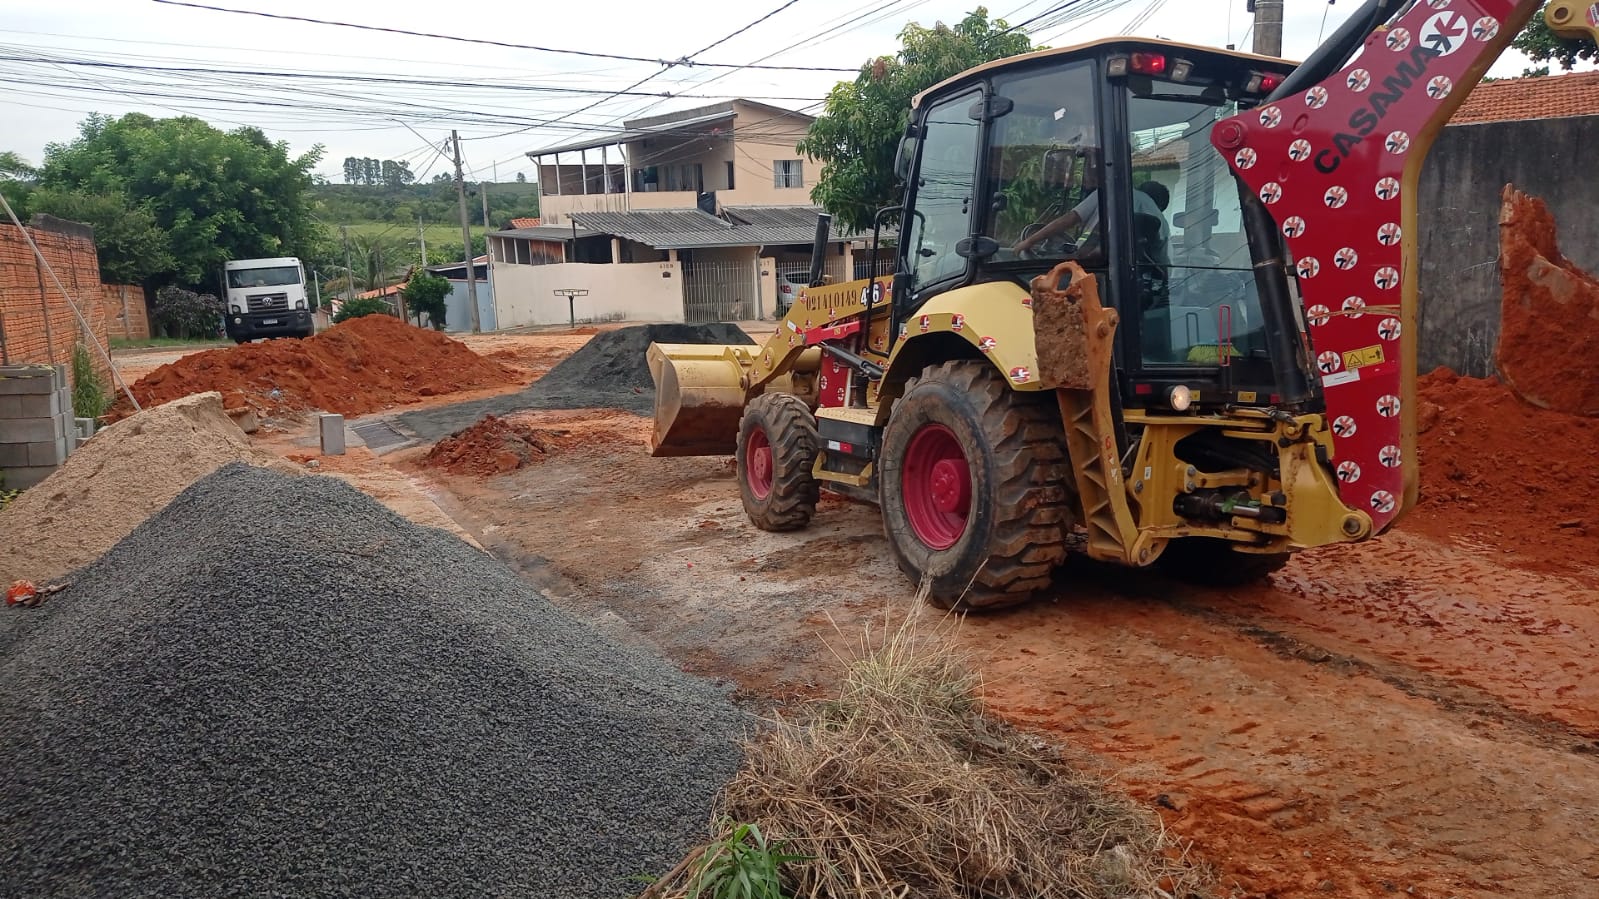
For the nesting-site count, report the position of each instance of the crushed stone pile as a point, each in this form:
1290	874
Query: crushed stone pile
1500	472
608	372
496	445
276	686
1548	349
359	366
122	476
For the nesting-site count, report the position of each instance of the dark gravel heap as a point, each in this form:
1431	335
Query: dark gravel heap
608	372
277	687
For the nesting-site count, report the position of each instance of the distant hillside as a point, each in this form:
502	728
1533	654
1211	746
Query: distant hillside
435	203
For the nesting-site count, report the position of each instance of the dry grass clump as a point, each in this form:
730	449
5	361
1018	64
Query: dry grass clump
902	787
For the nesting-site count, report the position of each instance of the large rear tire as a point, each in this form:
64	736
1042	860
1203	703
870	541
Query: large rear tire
972	485
777	447
1211	562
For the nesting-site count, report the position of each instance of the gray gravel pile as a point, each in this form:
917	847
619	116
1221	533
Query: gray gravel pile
608	372
276	686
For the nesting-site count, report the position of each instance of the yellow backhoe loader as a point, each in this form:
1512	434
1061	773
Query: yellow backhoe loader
1153	302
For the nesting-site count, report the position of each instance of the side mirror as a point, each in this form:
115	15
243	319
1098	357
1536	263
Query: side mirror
1060	164
905	156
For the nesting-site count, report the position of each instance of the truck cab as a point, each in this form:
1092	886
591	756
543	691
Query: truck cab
266	298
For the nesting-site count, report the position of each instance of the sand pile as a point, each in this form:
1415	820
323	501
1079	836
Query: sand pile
1499	472
127	473
363	365
1548	348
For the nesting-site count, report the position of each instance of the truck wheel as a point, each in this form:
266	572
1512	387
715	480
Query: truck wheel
1211	562
972	485
776	451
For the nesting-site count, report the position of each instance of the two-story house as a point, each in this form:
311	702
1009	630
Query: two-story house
718	190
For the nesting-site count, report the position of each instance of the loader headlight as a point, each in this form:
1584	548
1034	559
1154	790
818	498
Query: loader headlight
1180	398
235	310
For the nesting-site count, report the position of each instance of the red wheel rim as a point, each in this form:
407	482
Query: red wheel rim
758	464
937	485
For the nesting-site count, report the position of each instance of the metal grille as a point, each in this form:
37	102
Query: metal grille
268	302
720	291
379	435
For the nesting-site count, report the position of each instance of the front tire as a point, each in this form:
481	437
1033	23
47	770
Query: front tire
776	452
971	479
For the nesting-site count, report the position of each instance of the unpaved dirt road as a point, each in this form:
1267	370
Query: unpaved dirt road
1401	718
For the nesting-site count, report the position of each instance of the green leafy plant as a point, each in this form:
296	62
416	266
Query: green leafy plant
7	497
361	306
742	865
426	293
183	313
89	396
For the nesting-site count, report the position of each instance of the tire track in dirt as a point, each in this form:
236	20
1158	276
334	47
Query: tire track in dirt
1291	777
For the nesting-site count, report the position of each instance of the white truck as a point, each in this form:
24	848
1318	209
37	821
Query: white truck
266	298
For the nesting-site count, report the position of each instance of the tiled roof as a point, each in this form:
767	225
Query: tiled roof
1548	97
525	223
544	232
682	229
664	229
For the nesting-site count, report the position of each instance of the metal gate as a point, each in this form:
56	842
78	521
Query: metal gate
720	291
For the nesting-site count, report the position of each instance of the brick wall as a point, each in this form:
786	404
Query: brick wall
124	310
36	323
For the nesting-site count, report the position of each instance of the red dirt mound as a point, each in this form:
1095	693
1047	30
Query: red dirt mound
1500	473
1548	348
495	446
363	365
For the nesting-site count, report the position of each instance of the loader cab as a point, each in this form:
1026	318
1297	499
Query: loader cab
1101	154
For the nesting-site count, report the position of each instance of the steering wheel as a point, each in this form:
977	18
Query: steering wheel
1057	247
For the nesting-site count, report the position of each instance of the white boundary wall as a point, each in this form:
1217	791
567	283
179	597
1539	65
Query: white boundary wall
640	291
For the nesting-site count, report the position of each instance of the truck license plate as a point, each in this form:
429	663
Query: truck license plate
269	321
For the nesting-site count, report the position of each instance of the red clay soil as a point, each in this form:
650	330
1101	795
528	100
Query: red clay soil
1549	333
1498	472
495	446
360	366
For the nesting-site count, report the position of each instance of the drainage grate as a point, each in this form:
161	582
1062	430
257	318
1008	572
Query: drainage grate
379	434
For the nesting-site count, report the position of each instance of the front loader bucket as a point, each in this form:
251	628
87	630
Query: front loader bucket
699	398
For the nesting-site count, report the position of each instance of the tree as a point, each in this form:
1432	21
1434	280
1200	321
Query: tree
1543	45
426	293
352	170
521	177
130	243
859	129
218	195
15	167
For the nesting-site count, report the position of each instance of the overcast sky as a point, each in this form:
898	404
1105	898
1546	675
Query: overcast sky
493	99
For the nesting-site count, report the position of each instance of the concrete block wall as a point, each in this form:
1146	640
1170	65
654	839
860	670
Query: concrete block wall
37	429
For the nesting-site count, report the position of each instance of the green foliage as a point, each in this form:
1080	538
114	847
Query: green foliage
426	293
89	396
15	167
361	306
183	313
1543	45
218	195
450	251
130	244
859	129
434	203
741	866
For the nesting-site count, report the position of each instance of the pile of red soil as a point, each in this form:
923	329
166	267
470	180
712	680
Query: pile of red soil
1548	348
360	366
496	446
1499	473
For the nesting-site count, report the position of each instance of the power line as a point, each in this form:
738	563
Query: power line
380	79
472	40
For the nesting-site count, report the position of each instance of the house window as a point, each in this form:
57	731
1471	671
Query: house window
730	174
788	173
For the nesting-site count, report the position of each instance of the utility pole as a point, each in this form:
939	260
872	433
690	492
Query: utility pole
422	237
1268	27
349	270
483	189
466	235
